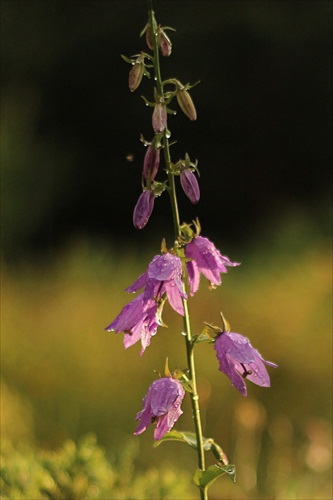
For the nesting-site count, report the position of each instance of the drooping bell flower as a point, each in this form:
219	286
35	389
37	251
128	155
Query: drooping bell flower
143	209
159	118
151	162
163	275
190	185
139	319
161	405
238	360
205	259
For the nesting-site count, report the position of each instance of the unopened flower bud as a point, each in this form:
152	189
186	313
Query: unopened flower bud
148	38
164	43
190	185
186	104
159	119
135	76
151	162
143	209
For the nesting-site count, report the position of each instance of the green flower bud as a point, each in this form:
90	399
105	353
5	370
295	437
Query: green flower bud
186	104
136	75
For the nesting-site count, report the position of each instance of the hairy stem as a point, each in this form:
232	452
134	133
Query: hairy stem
176	222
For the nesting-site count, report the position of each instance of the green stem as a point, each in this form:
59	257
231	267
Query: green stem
176	223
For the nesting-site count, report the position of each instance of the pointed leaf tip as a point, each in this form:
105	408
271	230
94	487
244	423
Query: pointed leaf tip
204	479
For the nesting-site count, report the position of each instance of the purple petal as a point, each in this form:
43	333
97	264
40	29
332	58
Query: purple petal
237	346
235	375
175	296
164	267
166	422
129	316
193	275
259	375
164	392
138	284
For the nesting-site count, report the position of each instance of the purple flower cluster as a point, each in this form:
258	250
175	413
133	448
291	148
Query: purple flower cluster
162	405
140	318
239	360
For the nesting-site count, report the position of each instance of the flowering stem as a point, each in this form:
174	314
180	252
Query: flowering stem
176	222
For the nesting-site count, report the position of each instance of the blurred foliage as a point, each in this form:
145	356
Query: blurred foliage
64	377
85	471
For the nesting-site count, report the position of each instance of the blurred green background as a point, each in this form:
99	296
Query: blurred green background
263	141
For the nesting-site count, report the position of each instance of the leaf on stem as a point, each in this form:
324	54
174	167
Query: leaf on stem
204	479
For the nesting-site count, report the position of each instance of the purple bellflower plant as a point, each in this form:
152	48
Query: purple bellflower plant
176	270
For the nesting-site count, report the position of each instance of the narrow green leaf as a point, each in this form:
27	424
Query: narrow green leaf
204	479
185	437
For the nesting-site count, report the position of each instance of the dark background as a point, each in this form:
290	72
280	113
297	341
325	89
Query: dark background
262	138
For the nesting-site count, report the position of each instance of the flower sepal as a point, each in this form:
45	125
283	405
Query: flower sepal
204	336
158	187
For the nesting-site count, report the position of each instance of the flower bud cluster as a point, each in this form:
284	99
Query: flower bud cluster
163	41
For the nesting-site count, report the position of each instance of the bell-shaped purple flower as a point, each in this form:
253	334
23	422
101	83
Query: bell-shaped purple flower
139	320
151	162
162	405
163	275
206	259
190	185
239	360
143	209
159	118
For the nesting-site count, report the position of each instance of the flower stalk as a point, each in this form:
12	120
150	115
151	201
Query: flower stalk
176	223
